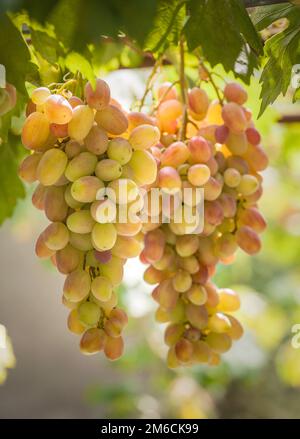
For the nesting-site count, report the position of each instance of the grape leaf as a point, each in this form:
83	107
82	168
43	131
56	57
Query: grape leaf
14	54
222	29
47	46
11	188
266	15
76	62
282	53
167	25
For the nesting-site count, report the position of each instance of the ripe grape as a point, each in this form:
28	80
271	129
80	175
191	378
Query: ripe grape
234	92
96	141
86	188
112	119
97	96
108	170
144	136
81	165
77	286
104	236
80	222
81	122
36	131
120	150
57	109
144	167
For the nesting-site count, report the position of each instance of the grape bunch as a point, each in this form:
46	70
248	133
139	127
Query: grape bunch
89	158
215	147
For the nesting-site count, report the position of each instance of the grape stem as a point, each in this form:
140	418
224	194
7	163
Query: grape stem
183	90
149	82
212	81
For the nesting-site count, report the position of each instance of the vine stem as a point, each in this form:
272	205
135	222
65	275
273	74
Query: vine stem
183	90
211	80
149	83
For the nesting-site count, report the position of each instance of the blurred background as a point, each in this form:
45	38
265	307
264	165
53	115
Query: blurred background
259	377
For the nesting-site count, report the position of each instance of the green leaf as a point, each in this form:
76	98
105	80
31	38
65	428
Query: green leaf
221	29
47	46
167	25
79	22
11	188
76	62
282	52
14	54
263	16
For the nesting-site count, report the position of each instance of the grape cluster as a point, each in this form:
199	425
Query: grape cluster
77	154
219	152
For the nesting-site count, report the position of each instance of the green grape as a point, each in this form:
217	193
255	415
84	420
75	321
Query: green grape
144	167
126	247
102	288
81	123
85	189
89	313
144	136
56	236
187	245
232	177
219	343
235	331
113	270
197	294
120	150
77	286
71	202
39	95
248	185
189	264
80	222
81	242
51	166
198	174
182	281
104	236
81	165
219	323
229	300
108	170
